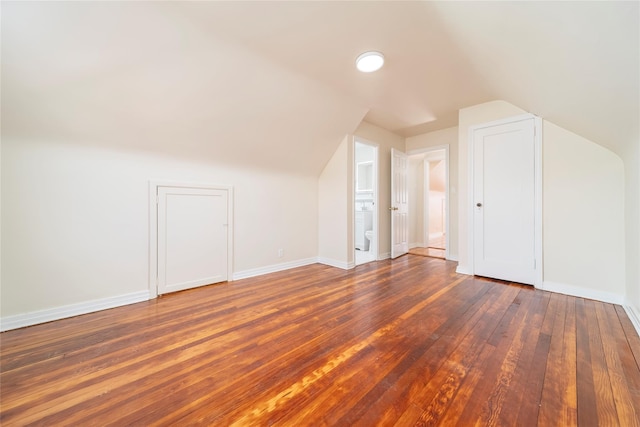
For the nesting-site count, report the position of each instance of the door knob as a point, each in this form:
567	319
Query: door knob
393	208
479	204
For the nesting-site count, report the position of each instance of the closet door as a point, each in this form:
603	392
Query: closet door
192	237
504	189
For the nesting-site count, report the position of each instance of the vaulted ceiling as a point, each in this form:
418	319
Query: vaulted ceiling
273	84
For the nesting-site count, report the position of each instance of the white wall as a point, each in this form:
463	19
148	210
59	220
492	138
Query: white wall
386	141
138	74
0	224
437	175
436	220
336	197
334	209
448	137
583	208
93	108
415	188
584	228
632	230
416	181
75	224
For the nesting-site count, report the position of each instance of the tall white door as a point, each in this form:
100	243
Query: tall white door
504	201
192	237
399	204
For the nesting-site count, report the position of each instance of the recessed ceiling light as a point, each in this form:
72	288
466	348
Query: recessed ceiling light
370	61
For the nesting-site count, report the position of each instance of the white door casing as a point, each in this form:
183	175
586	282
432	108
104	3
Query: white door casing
190	236
505	201
399	204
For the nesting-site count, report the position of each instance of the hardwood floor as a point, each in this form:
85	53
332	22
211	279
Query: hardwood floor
435	248
402	342
431	252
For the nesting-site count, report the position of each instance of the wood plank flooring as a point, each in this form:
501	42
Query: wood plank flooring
432	252
402	342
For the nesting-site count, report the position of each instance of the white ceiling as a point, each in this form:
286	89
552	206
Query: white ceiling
426	76
574	63
287	69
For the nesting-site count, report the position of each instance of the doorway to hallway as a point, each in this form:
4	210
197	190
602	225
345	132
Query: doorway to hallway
365	226
428	202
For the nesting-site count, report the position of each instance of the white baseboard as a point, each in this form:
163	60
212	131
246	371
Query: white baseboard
633	314
335	263
385	255
417	245
273	268
57	313
461	269
452	258
42	316
577	291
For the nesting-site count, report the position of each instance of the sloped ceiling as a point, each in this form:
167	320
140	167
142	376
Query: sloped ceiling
273	84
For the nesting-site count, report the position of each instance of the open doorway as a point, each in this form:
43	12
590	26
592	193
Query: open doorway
428	202
366	201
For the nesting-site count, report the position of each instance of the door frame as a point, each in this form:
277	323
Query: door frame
153	227
425	151
537	126
376	204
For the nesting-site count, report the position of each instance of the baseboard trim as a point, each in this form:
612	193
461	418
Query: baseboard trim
417	245
633	314
42	316
461	269
383	256
273	268
335	263
577	291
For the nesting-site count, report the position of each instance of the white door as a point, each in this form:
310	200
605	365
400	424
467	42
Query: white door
399	204
192	237
504	201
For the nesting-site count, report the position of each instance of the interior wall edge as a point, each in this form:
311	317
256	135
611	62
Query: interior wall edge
633	314
383	256
462	269
336	263
253	272
581	292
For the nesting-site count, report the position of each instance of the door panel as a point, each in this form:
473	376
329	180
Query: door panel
504	201
192	237
399	204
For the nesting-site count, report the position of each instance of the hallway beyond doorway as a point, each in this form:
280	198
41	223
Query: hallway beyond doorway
430	252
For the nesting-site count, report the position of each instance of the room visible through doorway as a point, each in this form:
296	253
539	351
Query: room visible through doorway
365	225
428	202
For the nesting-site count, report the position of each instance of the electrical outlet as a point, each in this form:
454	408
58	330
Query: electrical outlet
280	253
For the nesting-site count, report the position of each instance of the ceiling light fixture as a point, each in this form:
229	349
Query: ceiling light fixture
370	61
